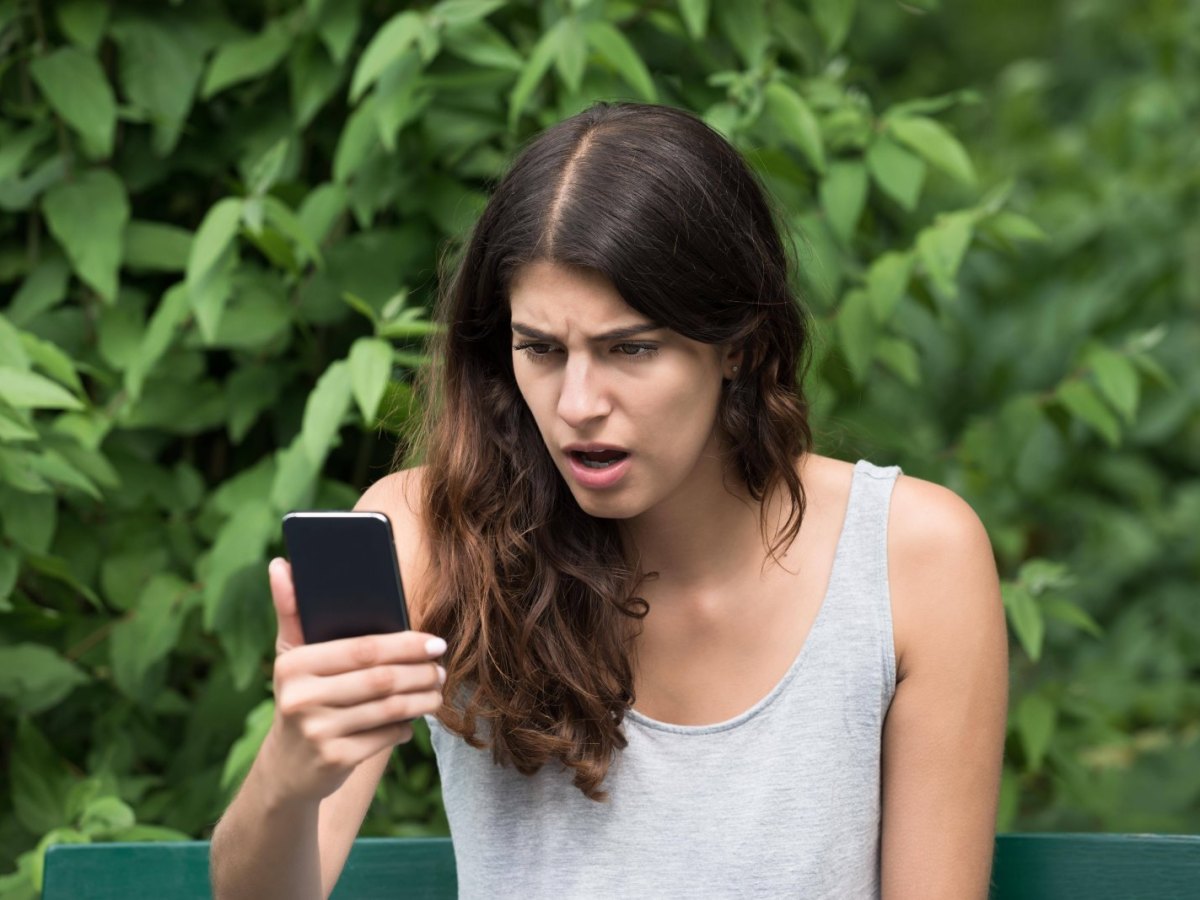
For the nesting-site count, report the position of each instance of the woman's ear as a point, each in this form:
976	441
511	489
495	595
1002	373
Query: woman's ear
731	361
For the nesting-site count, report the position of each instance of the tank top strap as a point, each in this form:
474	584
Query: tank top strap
864	532
859	617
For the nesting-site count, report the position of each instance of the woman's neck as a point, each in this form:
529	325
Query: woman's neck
702	536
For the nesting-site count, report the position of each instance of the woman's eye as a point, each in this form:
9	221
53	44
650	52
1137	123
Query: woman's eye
535	350
636	351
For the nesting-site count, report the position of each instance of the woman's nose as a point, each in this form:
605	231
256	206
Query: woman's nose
584	396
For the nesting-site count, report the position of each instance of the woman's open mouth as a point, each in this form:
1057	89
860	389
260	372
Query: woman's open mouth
597	468
598	459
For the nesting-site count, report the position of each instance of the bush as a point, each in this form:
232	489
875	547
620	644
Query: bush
221	224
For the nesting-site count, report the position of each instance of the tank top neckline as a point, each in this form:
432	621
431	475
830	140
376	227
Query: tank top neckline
757	708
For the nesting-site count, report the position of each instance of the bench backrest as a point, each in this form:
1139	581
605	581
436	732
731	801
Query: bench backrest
1027	866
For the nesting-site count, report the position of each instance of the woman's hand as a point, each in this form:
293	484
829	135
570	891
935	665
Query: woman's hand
340	702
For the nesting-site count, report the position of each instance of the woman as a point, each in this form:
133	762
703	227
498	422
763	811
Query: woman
683	654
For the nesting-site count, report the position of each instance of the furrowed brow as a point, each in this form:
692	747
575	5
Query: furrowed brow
615	334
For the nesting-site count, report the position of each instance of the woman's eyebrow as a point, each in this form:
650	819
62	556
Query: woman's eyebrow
615	334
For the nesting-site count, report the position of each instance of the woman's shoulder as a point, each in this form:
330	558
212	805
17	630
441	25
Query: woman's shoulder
941	570
399	496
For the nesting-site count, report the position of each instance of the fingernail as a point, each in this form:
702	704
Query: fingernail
435	646
274	564
441	675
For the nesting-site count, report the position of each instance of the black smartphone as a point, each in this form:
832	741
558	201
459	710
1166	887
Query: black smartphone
346	574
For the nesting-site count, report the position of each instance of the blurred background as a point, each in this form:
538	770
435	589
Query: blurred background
221	226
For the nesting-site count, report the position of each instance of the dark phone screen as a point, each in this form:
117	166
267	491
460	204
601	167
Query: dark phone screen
346	575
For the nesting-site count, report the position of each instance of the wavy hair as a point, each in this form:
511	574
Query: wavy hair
536	598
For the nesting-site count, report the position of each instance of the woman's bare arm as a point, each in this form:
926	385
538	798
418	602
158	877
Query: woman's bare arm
340	709
944	735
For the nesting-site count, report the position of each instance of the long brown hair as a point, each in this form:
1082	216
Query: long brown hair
535	597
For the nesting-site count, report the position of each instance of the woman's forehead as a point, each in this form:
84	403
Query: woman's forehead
550	295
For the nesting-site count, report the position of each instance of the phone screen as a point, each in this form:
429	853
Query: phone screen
346	575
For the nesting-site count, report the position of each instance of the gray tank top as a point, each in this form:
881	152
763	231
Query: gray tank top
782	800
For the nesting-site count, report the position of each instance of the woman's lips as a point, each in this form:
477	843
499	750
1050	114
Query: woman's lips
597	477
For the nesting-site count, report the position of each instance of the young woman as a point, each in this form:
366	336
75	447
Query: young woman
664	648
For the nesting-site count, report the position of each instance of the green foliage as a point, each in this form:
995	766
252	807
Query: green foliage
220	227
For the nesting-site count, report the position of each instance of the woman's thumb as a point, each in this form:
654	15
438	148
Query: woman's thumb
283	593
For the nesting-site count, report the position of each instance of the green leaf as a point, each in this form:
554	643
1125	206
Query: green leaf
295	478
941	248
160	70
246	58
464	12
29	519
150	632
695	17
83	22
843	193
10	568
12	348
44	288
1073	615
370	364
75	86
746	27
324	411
616	50
156	246
1082	402
16	472
1014	228
214	238
245	624
288	224
87	217
1035	718
172	311
898	173
241	542
245	748
933	141
832	18
390	42
901	357
887	281
1117	378
483	45
857	333
28	390
53	362
34	678
105	816
51	465
251	390
1025	617
571	57
15	149
39	777
358	139
337	29
539	62
320	211
313	78
792	115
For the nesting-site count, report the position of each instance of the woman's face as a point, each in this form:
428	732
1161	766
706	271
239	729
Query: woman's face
627	408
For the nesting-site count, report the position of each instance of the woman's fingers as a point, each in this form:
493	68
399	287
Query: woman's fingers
352	688
332	725
359	653
283	594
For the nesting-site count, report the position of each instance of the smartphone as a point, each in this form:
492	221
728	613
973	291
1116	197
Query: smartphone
346	574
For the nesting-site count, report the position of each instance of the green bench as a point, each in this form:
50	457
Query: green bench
1027	866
